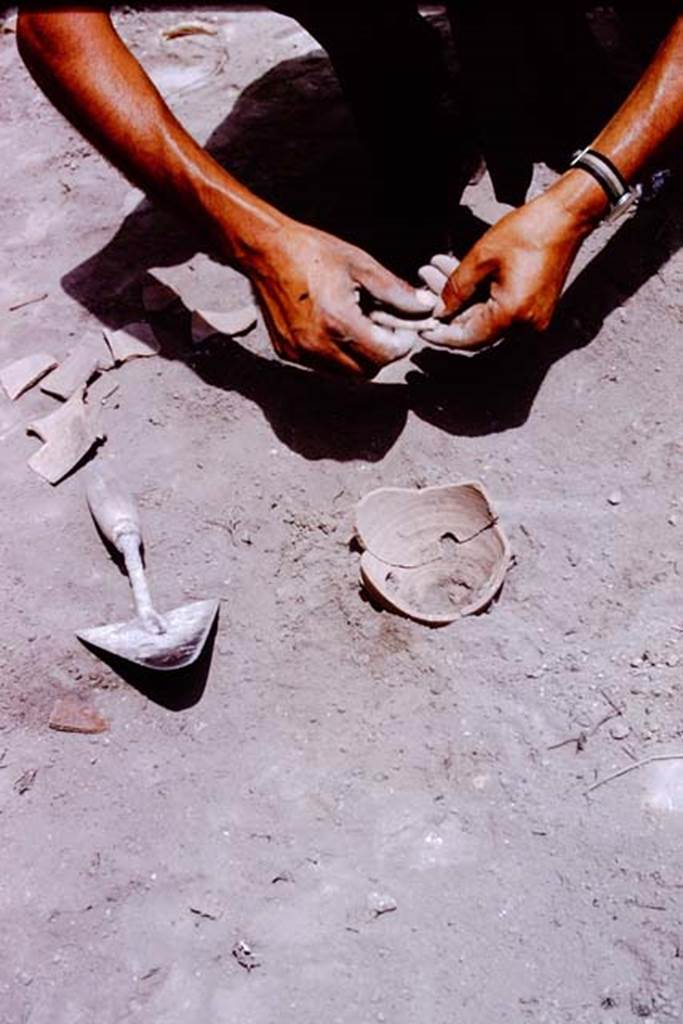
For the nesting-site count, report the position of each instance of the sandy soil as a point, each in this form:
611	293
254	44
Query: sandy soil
335	761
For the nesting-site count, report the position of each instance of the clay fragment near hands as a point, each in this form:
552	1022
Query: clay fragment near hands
69	434
435	554
80	365
206	323
23	373
134	341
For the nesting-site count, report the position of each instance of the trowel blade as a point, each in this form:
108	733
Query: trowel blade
187	629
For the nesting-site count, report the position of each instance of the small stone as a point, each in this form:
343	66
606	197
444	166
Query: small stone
672	660
673	519
25	781
381	903
620	730
614	498
282	876
636	662
244	956
70	715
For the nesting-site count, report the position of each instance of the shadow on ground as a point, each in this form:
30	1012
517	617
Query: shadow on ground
291	138
174	690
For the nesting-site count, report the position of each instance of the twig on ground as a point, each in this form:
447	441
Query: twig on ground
579	740
614	706
582	739
27	302
632	768
603	721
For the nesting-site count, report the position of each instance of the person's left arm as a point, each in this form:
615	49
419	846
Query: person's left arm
524	259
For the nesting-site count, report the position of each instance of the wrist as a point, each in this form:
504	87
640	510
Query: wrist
241	228
581	199
248	234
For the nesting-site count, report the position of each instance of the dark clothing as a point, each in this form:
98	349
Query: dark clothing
537	81
542	81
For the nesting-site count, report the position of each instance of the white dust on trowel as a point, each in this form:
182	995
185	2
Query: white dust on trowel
22	374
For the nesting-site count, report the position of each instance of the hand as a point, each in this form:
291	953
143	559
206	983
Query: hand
523	260
309	285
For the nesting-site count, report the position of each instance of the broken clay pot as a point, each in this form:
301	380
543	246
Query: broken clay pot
434	554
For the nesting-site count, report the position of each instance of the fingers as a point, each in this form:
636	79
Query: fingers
480	325
388	288
463	282
379	316
437	271
433	278
446	264
377	344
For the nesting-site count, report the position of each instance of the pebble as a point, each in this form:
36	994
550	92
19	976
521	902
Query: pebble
614	498
244	956
620	730
381	903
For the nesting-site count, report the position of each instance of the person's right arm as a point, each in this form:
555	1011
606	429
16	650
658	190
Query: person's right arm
308	282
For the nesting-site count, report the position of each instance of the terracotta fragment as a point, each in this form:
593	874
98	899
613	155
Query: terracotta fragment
69	434
206	323
71	715
134	341
78	367
22	374
199	281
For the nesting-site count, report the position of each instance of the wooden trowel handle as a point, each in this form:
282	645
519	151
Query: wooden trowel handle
112	508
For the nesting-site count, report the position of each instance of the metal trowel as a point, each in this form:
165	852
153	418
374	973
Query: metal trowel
170	641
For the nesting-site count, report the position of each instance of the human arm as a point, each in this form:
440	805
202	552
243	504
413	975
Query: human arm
308	282
525	258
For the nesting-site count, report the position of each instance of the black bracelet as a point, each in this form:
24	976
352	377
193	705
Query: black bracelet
620	195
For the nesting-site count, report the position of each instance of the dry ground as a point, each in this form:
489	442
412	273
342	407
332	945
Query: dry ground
337	755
